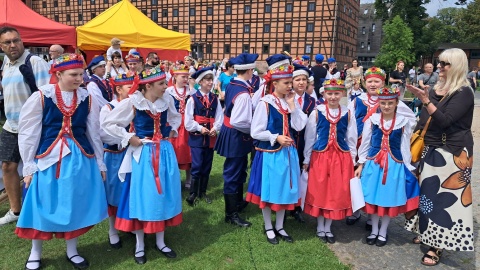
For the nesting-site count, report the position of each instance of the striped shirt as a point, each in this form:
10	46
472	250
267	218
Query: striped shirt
16	91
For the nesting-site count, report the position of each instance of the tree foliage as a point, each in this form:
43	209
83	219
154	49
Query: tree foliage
442	28
397	44
468	22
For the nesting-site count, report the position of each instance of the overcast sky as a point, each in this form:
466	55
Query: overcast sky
432	7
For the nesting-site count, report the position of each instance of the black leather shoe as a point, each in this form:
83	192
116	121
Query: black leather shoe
352	220
286	238
235	219
191	199
322	237
81	265
297	215
33	261
117	245
274	240
330	239
141	259
368	227
371	241
169	254
206	198
381	243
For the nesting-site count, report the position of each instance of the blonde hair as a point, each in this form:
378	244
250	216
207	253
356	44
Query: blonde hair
398	63
457	74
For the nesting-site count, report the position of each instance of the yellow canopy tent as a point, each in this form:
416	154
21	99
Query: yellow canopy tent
124	21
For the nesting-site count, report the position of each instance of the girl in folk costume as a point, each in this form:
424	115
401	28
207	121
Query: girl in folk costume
367	104
275	174
203	118
151	195
99	88
123	84
354	91
63	157
384	166
307	104
181	93
331	135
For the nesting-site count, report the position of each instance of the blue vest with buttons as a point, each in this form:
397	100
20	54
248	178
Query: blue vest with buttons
196	139
323	133
144	124
105	88
360	111
394	141
275	126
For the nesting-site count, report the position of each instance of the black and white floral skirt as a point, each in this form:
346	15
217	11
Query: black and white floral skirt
445	215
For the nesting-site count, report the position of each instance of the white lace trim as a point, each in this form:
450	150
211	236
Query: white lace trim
171	90
49	92
323	109
364	97
400	122
270	99
29	168
143	104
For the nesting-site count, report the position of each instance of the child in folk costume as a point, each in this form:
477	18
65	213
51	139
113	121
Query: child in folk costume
388	185
331	135
99	88
134	62
234	141
181	92
151	195
354	91
275	174
307	104
63	157
311	87
203	118
122	84
364	106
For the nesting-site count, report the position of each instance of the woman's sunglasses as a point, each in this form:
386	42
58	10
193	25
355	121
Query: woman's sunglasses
443	64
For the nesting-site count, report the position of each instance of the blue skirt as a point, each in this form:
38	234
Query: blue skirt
74	201
274	179
113	185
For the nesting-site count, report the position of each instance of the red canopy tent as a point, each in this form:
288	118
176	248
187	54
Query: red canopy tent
35	29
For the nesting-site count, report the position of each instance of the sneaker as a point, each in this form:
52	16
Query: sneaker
8	218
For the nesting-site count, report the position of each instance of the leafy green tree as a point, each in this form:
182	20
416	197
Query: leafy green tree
397	44
468	22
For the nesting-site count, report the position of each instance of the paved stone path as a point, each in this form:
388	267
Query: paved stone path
400	253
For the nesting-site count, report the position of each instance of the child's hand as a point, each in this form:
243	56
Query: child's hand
205	131
305	167
213	132
27	180
104	176
358	171
135	141
284	140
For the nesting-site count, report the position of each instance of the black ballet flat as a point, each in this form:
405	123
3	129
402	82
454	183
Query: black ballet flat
81	265
169	254
274	240
381	243
322	238
330	239
286	238
33	261
352	220
141	259
371	241
117	245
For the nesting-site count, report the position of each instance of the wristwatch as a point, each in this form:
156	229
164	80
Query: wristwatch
426	104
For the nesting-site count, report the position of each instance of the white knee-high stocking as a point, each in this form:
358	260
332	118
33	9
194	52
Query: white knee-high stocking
72	250
279	222
267	218
384	227
35	254
161	242
375	220
112	232
140	246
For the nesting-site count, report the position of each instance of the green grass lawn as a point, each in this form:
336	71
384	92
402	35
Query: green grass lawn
202	241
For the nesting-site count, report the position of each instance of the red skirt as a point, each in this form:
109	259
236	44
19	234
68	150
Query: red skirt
275	207
412	204
40	235
182	150
112	211
130	225
328	190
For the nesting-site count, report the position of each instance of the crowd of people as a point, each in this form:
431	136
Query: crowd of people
110	143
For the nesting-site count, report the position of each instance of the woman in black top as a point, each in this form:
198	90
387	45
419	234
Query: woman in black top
399	78
445	210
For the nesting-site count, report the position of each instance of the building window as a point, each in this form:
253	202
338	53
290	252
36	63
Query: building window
286	47
288	27
228	10
192	12
341	49
154	15
164	12
154	2
347	50
80	2
363	30
191	29
348	31
311	6
144	11
93	15
266	28
80	16
368	46
69	18
44	4
209	48
175	28
67	3
266	49
289	7
350	12
55	3
228	29
246	48
209	10
308	48
365	12
373	27
362	45
247	9
246	28
175	12
56	18
268	8
209	29
92	2
226	48
309	27
105	1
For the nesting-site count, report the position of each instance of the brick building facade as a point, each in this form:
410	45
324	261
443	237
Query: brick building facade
222	28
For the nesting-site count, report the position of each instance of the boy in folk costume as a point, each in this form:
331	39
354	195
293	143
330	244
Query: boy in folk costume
364	106
388	185
63	163
275	174
98	87
330	151
181	92
122	84
234	141
151	198
203	118
307	104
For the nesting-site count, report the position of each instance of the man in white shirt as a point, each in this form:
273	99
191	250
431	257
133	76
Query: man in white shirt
54	52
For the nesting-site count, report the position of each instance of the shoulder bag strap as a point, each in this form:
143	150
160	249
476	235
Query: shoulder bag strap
429	119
